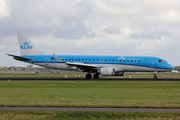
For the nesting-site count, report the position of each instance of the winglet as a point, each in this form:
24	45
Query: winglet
57	59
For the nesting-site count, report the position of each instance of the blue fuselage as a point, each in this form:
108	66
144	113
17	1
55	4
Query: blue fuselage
129	63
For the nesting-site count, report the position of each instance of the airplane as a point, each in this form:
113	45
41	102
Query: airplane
99	65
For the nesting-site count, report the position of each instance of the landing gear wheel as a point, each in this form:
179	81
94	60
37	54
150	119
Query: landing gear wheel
88	76
155	77
95	76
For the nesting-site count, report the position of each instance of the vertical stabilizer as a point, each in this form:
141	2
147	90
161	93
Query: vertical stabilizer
26	47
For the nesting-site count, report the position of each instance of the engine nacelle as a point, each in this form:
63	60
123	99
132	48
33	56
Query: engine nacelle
119	73
107	71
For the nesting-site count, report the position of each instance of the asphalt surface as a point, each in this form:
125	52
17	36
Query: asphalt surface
91	109
101	79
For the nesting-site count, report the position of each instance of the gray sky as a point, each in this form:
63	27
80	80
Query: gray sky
92	27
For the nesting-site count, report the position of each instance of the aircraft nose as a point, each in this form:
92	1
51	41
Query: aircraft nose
170	67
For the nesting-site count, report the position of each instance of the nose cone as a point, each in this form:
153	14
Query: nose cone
170	67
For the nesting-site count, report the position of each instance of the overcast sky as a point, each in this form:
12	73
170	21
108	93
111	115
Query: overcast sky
92	27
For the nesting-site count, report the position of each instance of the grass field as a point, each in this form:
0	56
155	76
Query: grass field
57	115
138	94
82	75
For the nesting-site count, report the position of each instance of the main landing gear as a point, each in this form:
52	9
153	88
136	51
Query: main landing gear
96	76
89	76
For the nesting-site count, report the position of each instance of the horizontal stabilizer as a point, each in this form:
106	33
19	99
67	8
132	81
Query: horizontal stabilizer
18	57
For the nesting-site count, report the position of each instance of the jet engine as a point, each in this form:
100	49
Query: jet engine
110	72
107	71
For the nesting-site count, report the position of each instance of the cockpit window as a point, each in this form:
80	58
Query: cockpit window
162	61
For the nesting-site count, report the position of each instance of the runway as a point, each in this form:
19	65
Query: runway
101	79
91	109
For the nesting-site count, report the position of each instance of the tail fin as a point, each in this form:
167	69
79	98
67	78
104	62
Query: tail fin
26	47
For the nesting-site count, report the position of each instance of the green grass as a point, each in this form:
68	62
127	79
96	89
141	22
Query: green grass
64	115
137	94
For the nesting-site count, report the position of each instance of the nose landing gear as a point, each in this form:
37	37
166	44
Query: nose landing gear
155	77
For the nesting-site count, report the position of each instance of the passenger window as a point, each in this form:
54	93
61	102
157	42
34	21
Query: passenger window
89	59
93	59
138	60
62	59
113	60
127	60
160	60
97	60
72	59
105	60
101	60
69	59
66	59
116	60
120	60
86	59
124	60
131	60
109	60
82	59
79	60
134	60
76	59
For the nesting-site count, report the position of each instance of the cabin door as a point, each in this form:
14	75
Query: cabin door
151	63
46	61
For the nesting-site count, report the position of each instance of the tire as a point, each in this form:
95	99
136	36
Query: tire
155	77
95	76
88	76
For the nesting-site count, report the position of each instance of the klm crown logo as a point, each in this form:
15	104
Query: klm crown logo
122	58
26	46
26	43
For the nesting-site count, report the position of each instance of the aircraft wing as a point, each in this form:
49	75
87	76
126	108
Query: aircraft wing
79	65
19	57
82	65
